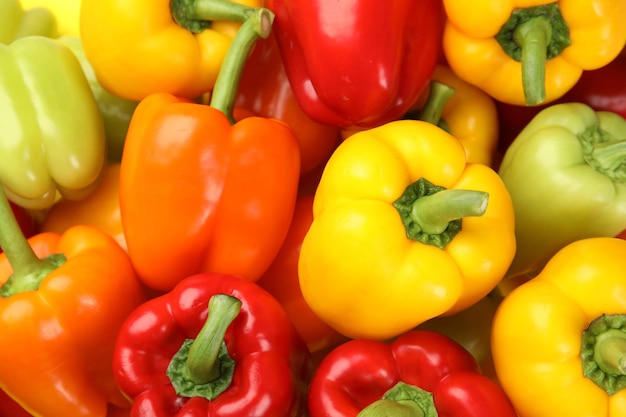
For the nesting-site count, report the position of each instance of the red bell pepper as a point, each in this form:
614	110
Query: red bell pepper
421	373
241	356
356	63
265	91
10	408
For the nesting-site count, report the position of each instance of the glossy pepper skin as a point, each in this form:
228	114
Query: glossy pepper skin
469	114
271	363
9	408
382	56
264	90
57	340
16	21
53	136
165	57
281	280
491	45
565	175
441	377
371	242
182	203
556	336
116	111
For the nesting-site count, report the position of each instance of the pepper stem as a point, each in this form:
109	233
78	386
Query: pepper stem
202	358
534	35
198	15
438	96
603	352
224	94
608	157
402	400
28	269
433	213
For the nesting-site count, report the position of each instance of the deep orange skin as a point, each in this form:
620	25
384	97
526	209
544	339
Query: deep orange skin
198	194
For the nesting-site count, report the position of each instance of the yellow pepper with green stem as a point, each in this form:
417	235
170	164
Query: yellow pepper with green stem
559	339
531	52
404	230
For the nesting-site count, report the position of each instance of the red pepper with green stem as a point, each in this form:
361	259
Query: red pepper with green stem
355	63
419	374
215	345
201	193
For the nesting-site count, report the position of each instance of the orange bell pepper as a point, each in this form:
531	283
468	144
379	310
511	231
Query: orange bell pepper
265	90
101	208
201	193
63	299
281	280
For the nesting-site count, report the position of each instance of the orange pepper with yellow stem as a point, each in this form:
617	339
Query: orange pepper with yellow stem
531	52
176	47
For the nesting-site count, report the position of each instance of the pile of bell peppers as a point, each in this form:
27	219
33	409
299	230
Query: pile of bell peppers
307	209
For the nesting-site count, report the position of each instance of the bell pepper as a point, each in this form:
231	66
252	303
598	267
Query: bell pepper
382	56
25	219
53	136
420	373
101	209
174	47
559	339
265	91
66	13
565	174
281	281
533	52
116	111
214	345
10	408
401	221
464	110
63	299
17	22
226	189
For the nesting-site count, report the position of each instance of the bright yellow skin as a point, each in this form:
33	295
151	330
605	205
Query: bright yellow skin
136	48
358	270
66	13
536	333
596	29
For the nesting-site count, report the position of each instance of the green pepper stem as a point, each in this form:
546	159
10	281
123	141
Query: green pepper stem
533	36
23	260
198	15
610	352
433	212
202	362
226	86
384	408
609	156
438	96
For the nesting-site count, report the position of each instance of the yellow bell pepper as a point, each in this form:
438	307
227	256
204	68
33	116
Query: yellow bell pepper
404	230
142	47
469	114
66	13
559	339
531	52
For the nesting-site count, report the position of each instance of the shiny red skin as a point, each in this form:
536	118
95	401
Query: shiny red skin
364	70
272	367
9	408
359	372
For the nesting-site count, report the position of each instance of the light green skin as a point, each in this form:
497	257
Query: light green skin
15	22
52	134
557	196
116	111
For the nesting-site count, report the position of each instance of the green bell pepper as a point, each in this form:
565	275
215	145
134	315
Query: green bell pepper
566	174
116	111
15	22
52	140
